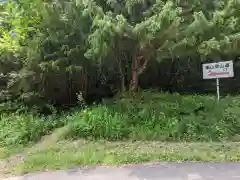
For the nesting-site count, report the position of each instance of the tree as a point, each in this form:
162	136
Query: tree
51	50
216	33
147	29
48	45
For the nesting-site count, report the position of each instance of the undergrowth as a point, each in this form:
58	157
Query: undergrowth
155	116
144	116
22	129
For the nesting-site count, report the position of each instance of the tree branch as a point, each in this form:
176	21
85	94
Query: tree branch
146	55
144	66
140	58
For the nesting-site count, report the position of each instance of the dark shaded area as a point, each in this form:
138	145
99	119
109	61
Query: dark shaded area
59	89
97	94
185	76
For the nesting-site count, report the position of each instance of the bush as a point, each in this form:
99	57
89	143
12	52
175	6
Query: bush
99	122
155	116
22	129
144	116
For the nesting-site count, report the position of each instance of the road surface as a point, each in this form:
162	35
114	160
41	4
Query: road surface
160	171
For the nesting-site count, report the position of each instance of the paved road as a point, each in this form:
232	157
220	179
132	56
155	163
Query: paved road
161	171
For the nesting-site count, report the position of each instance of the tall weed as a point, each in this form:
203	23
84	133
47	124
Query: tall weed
160	116
25	128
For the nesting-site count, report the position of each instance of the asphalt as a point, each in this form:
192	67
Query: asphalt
160	171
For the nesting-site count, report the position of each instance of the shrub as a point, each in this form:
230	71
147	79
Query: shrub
99	122
144	116
22	129
160	116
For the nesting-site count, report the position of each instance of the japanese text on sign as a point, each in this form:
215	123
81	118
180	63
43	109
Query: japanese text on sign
218	70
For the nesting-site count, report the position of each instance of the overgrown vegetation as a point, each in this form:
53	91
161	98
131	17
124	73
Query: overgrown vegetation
147	116
183	127
22	129
59	55
50	52
166	117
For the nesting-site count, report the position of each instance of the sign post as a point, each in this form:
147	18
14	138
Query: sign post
218	92
218	70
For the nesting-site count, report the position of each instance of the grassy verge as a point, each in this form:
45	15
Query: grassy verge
129	130
145	116
156	116
65	154
6	152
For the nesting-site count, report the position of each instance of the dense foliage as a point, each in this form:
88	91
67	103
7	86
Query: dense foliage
56	52
166	117
150	116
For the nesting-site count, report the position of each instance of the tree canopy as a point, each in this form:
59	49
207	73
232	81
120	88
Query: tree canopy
52	50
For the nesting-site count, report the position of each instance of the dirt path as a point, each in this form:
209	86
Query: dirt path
7	165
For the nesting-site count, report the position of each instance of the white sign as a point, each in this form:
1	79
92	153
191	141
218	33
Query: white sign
218	70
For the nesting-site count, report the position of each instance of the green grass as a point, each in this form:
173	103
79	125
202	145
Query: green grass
147	126
65	154
145	116
22	129
10	150
165	117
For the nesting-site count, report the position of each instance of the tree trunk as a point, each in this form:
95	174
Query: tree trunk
119	54
122	75
137	70
123	88
134	79
85	84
